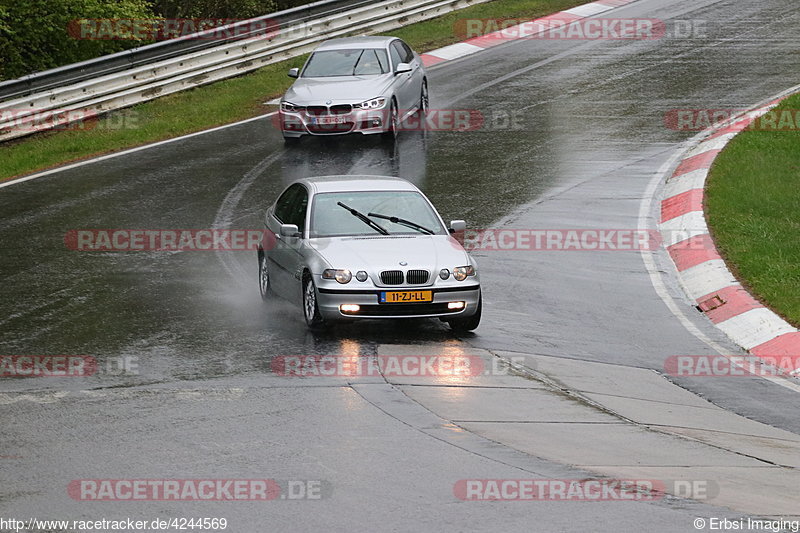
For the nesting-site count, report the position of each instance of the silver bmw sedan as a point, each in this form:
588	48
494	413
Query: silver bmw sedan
359	84
358	247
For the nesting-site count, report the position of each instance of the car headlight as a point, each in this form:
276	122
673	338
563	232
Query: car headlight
290	107
375	103
462	273
342	276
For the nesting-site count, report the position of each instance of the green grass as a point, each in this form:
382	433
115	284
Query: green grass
225	101
753	207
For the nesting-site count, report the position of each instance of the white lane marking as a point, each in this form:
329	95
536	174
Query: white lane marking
224	217
129	151
705	278
755	327
683	228
454	51
36	397
588	10
686	182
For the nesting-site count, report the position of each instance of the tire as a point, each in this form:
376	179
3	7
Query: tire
464	325
424	99
311	313
394	123
291	141
264	287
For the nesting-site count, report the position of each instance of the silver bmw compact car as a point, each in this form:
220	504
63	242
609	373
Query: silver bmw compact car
358	84
357	247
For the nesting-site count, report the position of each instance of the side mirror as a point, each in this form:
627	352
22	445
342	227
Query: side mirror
457	225
289	230
294	72
402	67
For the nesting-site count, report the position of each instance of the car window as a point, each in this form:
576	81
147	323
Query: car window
329	219
299	208
371	63
284	204
397	56
350	62
408	54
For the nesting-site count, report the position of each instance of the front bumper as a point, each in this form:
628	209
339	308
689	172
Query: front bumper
362	121
330	299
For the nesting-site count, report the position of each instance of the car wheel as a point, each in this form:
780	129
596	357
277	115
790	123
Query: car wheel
394	122
310	304
263	277
289	141
424	100
463	325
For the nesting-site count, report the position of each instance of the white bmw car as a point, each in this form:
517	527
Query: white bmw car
364	247
354	85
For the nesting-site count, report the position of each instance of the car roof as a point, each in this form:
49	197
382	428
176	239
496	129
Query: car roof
322	184
371	41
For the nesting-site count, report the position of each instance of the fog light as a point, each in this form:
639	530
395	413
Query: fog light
361	276
371	123
444	273
456	305
349	308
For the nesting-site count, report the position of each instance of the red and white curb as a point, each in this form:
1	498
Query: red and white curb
701	271
519	32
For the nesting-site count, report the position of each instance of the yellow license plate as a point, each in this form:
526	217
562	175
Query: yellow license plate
406	297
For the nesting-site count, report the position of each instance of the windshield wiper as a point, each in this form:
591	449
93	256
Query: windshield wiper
404	222
361	216
358	60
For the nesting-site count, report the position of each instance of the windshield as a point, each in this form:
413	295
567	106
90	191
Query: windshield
329	219
358	62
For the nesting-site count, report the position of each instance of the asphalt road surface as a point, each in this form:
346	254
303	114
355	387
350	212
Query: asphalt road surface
574	133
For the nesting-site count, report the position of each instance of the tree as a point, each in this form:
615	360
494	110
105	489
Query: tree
35	36
225	9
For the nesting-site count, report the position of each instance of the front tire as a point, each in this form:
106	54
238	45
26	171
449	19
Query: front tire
394	123
424	100
464	325
311	312
263	277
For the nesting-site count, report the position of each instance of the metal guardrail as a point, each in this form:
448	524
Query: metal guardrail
162	50
126	78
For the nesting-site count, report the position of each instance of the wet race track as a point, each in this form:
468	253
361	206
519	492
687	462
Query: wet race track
574	133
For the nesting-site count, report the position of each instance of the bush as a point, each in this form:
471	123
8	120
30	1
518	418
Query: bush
233	9
34	33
